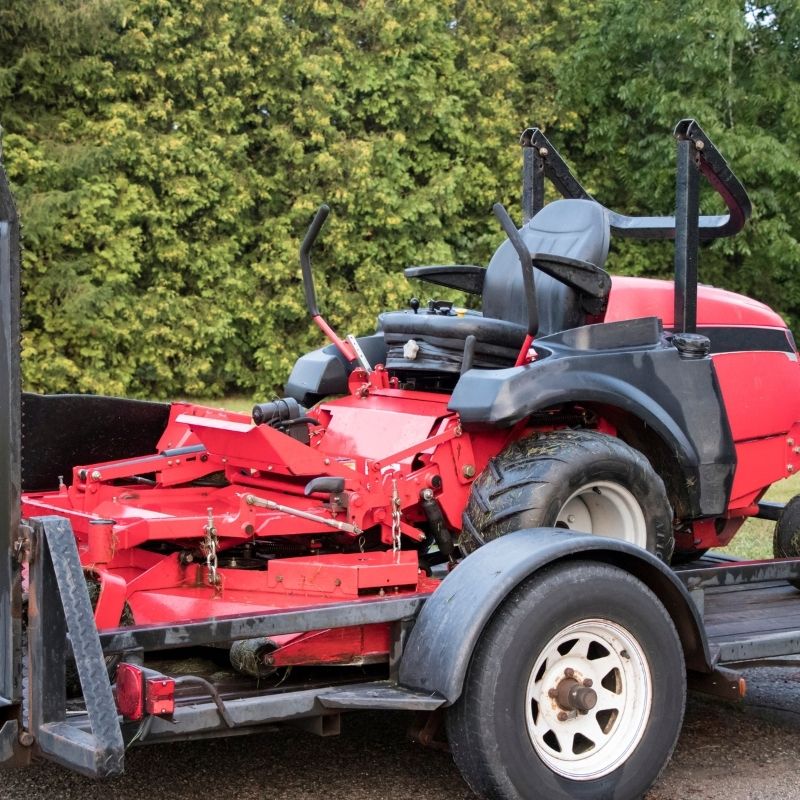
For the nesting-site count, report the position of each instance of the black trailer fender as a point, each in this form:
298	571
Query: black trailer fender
441	644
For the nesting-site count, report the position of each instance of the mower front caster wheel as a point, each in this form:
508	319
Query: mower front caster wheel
786	539
576	690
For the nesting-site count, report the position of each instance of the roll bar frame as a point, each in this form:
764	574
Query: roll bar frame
697	155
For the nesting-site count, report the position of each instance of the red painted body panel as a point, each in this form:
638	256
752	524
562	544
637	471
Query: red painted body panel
632	298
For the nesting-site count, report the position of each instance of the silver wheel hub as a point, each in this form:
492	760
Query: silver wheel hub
588	699
605	508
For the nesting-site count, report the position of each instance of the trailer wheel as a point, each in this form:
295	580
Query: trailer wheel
786	539
576	479
576	690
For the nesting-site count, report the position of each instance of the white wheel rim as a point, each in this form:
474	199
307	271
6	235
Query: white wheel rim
587	745
605	509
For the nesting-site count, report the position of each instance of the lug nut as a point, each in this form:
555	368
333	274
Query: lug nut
552	693
569	672
563	716
587	682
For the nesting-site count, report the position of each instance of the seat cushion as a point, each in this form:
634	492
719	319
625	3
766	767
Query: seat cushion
441	341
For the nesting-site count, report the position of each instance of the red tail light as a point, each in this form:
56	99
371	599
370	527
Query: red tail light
141	691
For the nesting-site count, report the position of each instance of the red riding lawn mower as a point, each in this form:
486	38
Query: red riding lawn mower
648	411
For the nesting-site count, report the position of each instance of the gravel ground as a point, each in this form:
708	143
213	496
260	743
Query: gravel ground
726	752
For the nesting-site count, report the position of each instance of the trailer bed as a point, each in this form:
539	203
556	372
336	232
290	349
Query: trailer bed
749	609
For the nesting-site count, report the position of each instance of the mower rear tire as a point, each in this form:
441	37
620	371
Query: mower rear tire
581	480
575	691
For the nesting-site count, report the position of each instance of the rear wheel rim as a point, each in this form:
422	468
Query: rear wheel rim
586	745
604	508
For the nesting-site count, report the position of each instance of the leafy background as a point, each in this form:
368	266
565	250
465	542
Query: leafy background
166	156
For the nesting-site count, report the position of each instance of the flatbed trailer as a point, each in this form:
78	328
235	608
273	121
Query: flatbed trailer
711	616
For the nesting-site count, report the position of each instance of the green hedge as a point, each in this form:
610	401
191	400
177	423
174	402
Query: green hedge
167	156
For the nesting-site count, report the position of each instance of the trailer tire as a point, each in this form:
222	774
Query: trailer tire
786	539
577	479
505	727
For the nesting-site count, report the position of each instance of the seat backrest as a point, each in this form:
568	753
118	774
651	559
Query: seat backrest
574	228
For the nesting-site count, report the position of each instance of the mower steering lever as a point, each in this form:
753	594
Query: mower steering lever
345	348
305	257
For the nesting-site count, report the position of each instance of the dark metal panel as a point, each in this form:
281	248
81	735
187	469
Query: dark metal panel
10	599
770	511
227	629
199	719
59	602
752	648
382	695
749	572
450	624
66	430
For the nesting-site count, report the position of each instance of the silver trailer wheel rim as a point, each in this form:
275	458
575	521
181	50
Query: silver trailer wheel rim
592	656
605	509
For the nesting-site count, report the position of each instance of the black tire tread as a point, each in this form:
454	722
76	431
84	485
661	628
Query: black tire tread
478	760
515	489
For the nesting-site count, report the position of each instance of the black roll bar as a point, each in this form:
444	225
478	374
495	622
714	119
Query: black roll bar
697	155
541	159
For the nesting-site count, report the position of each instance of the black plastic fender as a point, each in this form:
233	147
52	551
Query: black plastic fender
627	366
448	628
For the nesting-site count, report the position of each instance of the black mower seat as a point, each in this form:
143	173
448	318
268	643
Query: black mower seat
573	228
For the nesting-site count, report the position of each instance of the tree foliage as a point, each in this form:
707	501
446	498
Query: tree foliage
735	68
168	154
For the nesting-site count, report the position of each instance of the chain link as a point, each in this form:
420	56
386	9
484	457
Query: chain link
395	519
210	543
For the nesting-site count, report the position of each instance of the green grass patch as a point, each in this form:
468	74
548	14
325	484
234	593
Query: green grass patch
233	402
754	539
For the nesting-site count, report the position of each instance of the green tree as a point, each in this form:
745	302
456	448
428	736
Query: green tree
168	154
733	67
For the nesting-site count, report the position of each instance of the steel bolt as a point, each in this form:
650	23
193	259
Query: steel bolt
96	475
569	672
571	519
26	738
699	145
468	470
790	467
563	716
543	152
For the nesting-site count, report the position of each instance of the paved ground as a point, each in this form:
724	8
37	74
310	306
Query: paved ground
725	753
